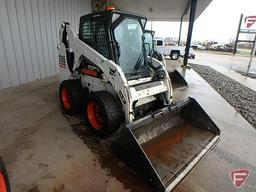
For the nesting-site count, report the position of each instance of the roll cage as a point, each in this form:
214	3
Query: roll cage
97	31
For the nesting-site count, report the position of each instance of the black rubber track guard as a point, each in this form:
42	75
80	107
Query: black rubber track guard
165	146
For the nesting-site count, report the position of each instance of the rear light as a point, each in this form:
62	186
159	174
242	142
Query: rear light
110	7
3	187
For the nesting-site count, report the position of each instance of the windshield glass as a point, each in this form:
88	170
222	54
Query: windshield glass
128	34
148	42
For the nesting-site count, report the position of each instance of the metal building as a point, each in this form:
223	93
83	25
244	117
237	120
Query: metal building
29	30
28	37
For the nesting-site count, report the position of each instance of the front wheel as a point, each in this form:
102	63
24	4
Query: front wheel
71	96
102	113
175	55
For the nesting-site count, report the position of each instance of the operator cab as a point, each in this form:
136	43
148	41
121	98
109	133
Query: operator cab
148	39
150	45
118	36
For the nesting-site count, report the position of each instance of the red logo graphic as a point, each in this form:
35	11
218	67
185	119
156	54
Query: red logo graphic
239	177
249	21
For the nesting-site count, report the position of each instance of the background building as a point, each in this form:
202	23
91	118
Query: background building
29	37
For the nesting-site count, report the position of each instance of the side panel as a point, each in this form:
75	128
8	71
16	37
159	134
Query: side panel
113	74
62	61
159	46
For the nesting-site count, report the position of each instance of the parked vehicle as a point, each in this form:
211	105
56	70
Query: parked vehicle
173	50
222	47
198	47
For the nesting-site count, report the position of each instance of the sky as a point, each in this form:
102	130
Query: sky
218	22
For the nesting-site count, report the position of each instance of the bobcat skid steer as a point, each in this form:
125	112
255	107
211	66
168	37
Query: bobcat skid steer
178	81
106	73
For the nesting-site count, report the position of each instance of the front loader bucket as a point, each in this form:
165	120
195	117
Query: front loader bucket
177	80
166	146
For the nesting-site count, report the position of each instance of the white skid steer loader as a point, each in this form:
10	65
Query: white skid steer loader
105	72
178	81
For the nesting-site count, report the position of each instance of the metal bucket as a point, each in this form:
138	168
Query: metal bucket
165	146
177	80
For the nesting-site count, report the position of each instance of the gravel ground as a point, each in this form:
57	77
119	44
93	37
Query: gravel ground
242	98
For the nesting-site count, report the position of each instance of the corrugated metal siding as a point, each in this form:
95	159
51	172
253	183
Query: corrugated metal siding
29	37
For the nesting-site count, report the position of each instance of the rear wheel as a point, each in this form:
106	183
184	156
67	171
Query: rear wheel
175	55
3	187
102	113
71	96
4	183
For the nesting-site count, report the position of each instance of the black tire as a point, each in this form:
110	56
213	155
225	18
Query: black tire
174	55
109	110
4	177
75	94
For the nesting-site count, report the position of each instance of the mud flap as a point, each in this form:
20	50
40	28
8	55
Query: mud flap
177	80
165	146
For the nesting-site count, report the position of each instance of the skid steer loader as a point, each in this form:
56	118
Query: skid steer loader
178	81
106	73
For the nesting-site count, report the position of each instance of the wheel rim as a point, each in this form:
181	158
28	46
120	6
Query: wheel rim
94	115
2	183
175	55
65	97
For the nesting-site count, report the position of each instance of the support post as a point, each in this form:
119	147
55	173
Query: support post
181	20
252	55
237	34
190	29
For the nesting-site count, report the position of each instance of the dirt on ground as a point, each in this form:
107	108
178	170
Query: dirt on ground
242	98
101	147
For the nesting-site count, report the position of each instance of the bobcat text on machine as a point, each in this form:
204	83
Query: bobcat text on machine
106	72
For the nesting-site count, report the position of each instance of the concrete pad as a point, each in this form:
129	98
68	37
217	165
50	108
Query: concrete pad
235	62
235	149
45	150
227	65
39	148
